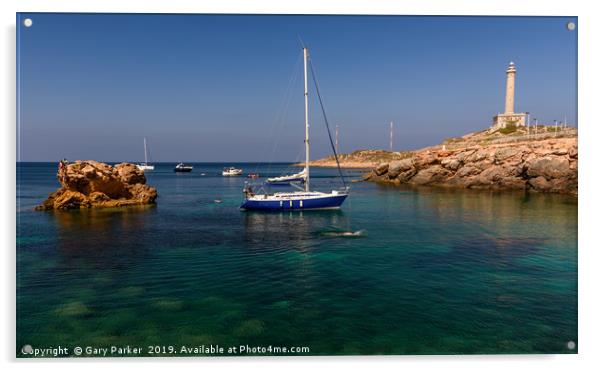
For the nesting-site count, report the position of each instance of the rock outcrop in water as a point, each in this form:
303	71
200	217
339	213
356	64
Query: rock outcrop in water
542	166
87	184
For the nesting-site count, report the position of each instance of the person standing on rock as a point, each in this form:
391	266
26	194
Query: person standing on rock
63	170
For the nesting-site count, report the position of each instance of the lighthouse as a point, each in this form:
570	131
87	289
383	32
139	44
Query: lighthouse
509	116
510	76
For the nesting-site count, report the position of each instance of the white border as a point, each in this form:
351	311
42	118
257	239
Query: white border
590	124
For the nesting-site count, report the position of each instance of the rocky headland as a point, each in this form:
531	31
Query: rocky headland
548	165
545	161
92	184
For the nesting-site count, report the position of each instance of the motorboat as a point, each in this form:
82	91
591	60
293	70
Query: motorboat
231	171
182	168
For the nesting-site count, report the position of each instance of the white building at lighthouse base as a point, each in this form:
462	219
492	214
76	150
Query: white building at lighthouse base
504	119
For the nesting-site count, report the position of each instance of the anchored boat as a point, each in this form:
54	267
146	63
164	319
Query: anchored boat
304	198
181	168
145	165
231	171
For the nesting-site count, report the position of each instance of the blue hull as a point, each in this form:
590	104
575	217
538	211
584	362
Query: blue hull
328	202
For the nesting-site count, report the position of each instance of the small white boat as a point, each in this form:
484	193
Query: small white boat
231	171
145	165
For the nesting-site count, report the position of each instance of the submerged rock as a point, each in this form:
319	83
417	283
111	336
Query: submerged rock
87	184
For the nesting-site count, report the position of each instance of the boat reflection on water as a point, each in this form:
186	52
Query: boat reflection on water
291	230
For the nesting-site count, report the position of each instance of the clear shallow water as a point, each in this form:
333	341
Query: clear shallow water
435	272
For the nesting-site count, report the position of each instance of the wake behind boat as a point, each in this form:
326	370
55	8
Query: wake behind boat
359	233
304	199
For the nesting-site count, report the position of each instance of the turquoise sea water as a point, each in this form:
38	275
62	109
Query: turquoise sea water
434	272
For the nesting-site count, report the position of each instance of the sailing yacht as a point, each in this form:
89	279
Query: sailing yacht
304	199
145	166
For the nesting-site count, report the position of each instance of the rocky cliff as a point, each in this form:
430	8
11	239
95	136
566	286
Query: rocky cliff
86	184
548	165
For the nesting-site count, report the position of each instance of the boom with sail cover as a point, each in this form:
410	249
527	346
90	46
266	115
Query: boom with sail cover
286	179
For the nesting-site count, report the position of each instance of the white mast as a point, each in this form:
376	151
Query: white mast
145	156
391	137
306	122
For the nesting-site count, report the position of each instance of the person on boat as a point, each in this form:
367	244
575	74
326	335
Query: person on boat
248	191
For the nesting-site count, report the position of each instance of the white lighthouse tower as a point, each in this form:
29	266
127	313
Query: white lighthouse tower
509	116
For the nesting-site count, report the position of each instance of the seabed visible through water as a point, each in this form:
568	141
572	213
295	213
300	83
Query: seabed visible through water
434	271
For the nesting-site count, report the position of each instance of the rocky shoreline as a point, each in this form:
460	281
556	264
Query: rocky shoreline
541	166
92	184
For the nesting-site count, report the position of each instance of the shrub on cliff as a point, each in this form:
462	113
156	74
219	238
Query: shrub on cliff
509	129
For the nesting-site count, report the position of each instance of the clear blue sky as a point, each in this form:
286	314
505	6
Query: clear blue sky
211	87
